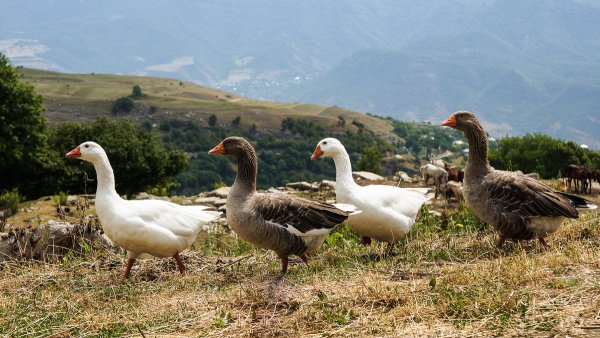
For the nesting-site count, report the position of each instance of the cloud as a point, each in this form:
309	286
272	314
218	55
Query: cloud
139	58
22	48
27	53
172	66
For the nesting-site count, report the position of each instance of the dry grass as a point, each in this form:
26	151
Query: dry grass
446	280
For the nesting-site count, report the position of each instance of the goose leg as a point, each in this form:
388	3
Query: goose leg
284	264
304	258
130	262
365	240
543	242
390	249
501	241
180	264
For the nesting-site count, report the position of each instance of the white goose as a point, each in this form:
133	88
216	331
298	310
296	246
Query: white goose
158	228
388	212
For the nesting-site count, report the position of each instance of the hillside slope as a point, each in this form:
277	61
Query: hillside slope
83	97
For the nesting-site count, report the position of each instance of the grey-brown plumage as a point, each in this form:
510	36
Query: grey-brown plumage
285	224
519	207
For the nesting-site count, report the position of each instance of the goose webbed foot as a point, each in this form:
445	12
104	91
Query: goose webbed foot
364	240
543	242
304	258
180	264
128	267
389	251
500	242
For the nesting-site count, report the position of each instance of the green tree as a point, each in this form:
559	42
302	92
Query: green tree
212	120
23	144
123	105
540	153
139	160
136	92
236	121
370	160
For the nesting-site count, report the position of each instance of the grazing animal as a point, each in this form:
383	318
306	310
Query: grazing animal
580	176
286	224
155	227
439	175
438	162
456	189
519	207
387	212
455	174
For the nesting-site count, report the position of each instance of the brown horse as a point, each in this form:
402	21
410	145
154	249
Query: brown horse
580	176
455	173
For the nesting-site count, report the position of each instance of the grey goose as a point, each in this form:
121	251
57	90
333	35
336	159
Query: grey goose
518	207
286	224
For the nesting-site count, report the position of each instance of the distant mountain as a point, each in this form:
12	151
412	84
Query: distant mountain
523	65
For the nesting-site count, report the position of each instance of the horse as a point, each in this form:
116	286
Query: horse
439	175
456	189
454	173
581	176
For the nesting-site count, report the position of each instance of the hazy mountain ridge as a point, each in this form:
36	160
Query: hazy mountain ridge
523	65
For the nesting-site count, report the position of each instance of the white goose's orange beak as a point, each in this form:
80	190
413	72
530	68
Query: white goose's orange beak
317	153
450	122
218	149
74	153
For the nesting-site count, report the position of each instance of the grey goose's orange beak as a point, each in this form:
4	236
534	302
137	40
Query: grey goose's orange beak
74	153
317	153
218	149
450	122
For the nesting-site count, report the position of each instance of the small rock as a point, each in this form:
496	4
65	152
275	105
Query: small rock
367	176
220	202
71	200
206	200
273	191
435	213
328	184
222	208
142	196
221	192
302	186
186	202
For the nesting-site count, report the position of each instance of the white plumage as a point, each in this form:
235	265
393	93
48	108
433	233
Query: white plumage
387	212
155	227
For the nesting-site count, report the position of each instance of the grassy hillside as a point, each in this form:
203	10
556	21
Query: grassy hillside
83	97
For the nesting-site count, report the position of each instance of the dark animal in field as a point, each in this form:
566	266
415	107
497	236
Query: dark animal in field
454	173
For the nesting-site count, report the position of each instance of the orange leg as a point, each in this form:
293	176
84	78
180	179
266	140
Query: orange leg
180	264
130	262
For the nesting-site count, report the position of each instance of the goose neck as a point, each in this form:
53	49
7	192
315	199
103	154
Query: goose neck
247	172
478	149
106	178
343	170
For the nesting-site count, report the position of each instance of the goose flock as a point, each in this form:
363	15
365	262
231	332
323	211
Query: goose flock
518	207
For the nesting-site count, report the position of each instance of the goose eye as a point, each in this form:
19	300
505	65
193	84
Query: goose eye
87	145
325	142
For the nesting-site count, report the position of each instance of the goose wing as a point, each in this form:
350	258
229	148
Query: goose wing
300	216
516	196
179	220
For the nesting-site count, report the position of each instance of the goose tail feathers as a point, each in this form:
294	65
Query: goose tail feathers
349	208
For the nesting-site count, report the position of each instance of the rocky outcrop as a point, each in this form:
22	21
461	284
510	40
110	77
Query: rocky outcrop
52	240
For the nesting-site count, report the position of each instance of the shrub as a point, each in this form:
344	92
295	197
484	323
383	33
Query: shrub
9	202
123	105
